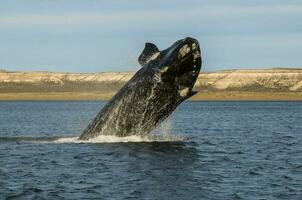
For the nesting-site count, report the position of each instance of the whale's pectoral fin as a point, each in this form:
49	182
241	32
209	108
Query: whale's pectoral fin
148	53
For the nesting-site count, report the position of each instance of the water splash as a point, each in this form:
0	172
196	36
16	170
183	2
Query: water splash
162	133
99	139
127	139
163	129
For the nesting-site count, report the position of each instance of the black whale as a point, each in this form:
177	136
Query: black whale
165	80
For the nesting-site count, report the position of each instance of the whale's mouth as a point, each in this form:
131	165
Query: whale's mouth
189	58
181	66
188	62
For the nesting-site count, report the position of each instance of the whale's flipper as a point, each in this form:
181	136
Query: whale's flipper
149	50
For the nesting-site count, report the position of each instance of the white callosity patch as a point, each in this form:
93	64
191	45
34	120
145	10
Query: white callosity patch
153	57
184	51
194	46
196	54
184	92
164	69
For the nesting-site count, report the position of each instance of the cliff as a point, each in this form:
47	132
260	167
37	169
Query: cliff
228	81
252	80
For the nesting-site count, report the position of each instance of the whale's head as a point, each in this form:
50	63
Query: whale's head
178	66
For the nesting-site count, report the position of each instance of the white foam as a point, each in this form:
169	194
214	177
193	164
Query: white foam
115	139
162	133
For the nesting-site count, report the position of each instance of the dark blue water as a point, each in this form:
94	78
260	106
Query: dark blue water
237	150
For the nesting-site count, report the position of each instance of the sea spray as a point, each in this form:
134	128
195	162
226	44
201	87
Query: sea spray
164	129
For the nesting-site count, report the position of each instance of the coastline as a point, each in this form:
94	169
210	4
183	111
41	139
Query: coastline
200	96
277	84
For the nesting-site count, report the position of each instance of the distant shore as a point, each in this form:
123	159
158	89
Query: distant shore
201	96
277	84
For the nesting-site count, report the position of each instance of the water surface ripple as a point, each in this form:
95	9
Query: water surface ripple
236	150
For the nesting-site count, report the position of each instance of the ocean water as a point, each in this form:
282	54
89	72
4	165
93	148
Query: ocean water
205	150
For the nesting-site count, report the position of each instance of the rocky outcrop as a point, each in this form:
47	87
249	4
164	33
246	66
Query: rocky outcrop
279	80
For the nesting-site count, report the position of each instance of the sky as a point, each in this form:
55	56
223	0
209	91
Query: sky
109	35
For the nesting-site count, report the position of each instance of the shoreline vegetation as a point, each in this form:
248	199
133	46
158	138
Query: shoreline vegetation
277	84
200	96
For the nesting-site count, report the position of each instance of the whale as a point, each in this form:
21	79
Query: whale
165	79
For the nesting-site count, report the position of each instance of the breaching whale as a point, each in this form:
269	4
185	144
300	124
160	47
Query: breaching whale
165	80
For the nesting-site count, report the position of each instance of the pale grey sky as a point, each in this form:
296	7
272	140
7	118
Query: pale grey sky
101	35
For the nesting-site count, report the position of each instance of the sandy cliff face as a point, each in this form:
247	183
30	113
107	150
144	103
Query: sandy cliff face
253	80
62	82
50	77
230	80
